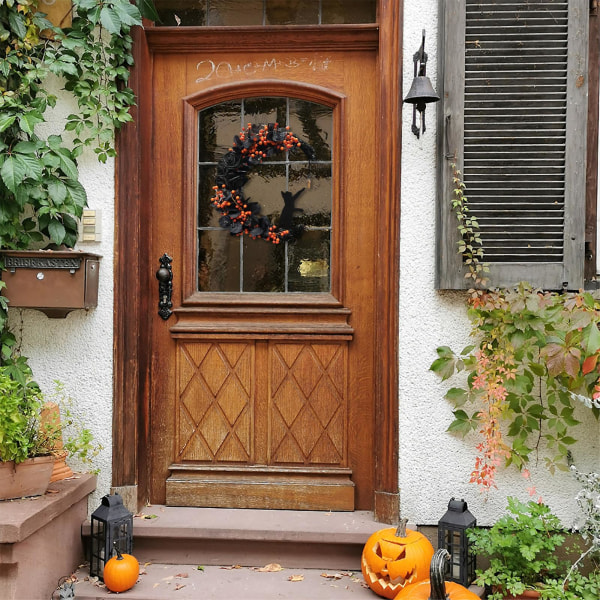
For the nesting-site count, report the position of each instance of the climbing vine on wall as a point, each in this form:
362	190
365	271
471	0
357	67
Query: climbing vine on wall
41	197
535	358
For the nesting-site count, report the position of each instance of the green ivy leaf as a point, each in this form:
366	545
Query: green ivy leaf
444	367
67	165
6	120
128	13
458	396
17	23
77	193
148	10
462	423
592	338
57	231
110	20
13	172
29	120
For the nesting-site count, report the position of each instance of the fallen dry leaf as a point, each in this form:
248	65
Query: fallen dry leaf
179	586
270	568
167	578
296	578
52	491
156	585
182	575
232	567
332	575
147	564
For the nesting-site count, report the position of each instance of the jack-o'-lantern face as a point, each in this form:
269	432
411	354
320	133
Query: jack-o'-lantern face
391	561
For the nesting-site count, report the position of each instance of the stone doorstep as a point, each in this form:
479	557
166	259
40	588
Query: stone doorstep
172	542
40	538
248	537
21	518
187	582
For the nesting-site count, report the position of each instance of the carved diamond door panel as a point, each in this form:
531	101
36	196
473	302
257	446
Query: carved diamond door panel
308	412
215	402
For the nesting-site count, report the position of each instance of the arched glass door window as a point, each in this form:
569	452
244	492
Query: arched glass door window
239	263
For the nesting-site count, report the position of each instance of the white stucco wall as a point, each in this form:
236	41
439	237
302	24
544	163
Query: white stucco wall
78	350
434	465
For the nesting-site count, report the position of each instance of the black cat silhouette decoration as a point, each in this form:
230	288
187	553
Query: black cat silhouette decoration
238	214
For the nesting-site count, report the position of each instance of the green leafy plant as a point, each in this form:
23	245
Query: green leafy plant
41	197
470	245
24	430
537	357
521	547
69	432
19	412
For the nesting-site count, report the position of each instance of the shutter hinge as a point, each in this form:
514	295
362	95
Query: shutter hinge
594	7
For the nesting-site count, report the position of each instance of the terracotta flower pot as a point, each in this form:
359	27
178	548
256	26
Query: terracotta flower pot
526	594
29	478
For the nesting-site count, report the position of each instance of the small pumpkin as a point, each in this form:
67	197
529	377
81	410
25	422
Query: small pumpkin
393	558
436	588
121	572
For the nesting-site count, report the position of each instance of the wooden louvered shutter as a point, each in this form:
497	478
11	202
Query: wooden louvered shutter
513	117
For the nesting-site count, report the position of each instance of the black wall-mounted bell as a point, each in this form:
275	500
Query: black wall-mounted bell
421	91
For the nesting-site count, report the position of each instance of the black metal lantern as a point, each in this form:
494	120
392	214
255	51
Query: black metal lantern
421	91
112	529
452	535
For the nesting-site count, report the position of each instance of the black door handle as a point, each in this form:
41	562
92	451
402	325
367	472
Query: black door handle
165	286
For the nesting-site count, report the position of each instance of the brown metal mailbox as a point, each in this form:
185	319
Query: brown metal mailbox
53	281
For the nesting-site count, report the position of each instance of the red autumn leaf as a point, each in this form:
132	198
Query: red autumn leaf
572	363
589	364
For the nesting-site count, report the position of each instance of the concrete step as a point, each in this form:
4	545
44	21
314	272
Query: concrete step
187	582
251	538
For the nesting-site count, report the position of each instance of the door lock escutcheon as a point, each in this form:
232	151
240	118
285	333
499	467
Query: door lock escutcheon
165	286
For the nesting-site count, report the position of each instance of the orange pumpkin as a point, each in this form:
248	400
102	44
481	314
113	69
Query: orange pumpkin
436	588
393	558
121	572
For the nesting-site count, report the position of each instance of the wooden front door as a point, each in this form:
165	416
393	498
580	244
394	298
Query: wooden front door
263	378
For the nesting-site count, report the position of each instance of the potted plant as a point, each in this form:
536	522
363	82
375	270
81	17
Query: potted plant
25	463
29	445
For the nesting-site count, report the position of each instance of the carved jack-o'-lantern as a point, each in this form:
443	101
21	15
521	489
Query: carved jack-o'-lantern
393	558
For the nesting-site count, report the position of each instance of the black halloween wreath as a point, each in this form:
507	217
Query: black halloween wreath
249	149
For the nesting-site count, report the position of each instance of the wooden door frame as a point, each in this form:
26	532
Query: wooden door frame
134	273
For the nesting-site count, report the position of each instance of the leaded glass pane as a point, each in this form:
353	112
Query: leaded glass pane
308	261
292	12
312	122
217	126
218	261
264	266
265	110
235	12
181	12
213	13
348	11
315	202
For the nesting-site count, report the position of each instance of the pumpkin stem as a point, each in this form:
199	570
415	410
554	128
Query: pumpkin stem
115	549
401	530
436	575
